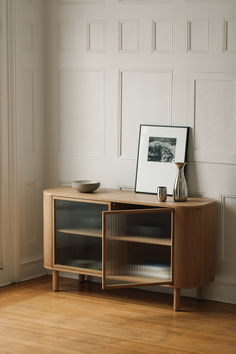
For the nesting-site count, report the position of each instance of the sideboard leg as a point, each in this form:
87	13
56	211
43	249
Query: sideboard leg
55	280
200	293
81	278
176	305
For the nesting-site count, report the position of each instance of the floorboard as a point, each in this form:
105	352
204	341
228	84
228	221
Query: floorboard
84	319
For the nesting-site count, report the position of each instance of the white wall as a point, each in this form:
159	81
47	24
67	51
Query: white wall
115	64
5	254
30	71
82	75
22	138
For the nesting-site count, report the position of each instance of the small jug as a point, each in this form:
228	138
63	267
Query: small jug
180	191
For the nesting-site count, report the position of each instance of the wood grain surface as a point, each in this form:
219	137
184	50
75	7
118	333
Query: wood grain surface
116	196
82	319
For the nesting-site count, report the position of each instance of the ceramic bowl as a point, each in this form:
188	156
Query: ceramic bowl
86	186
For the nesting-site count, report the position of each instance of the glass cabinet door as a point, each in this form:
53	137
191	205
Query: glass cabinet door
78	234
137	247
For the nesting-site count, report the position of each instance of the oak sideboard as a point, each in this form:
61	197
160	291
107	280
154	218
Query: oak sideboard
130	239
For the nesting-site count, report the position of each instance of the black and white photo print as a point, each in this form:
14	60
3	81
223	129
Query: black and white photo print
161	149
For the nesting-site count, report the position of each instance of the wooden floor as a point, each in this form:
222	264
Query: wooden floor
33	319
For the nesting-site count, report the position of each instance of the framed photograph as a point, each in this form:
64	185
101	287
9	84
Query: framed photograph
159	148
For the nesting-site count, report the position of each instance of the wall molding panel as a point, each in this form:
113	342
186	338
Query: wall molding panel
82	123
27	111
136	108
66	36
228	242
162	41
212	117
229	35
96	36
198	35
29	216
129	36
28	37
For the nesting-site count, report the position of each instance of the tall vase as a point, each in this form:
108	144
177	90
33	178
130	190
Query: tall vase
180	191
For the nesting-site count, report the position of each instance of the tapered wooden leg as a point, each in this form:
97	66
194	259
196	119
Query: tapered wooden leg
81	278
200	293
176	305
55	280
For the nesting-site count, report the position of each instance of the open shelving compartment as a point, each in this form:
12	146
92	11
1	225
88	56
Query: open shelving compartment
137	247
125	247
78	236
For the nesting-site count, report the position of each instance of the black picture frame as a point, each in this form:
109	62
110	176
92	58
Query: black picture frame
159	147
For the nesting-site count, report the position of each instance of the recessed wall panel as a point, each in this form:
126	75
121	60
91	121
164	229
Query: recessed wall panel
145	98
162	36
215	112
129	36
230	35
96	36
197	35
228	229
66	36
82	112
29	217
27	37
27	111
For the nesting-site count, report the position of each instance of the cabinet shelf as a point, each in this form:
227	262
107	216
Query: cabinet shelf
140	239
71	269
83	263
98	233
143	272
82	232
137	279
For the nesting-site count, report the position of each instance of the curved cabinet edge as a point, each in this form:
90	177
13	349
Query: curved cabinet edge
47	231
194	246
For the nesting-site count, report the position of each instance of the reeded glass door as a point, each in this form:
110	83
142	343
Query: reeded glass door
137	247
78	234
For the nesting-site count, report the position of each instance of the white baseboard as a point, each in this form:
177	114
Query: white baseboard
5	284
222	292
31	268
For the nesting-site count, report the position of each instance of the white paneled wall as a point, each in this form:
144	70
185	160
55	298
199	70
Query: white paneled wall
6	268
115	64
82	75
29	75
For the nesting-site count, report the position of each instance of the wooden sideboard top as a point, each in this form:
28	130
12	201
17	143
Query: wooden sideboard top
129	197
